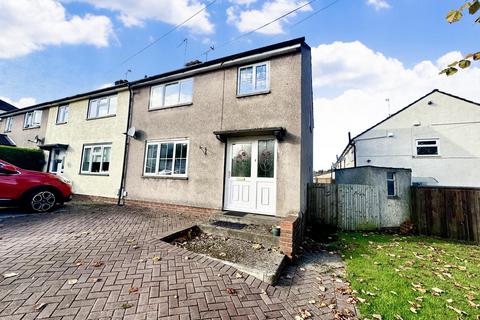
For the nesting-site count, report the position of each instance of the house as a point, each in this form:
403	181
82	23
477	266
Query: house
81	136
230	134
436	137
233	133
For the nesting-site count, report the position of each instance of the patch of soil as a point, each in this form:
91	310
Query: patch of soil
234	250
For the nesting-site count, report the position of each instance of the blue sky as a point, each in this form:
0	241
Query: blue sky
56	48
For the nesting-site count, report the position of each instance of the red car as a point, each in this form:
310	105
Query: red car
37	191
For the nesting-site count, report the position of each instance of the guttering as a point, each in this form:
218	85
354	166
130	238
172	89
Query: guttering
218	66
125	150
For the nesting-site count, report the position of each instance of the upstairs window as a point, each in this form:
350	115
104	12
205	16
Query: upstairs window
427	147
33	119
254	78
96	159
391	184
102	107
62	114
171	94
166	158
8	124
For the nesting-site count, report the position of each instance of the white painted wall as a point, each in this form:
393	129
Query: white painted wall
455	122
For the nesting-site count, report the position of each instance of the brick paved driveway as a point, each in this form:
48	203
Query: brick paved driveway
86	261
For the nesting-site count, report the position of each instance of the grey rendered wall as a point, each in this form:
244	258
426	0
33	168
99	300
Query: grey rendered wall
21	135
393	210
216	107
307	127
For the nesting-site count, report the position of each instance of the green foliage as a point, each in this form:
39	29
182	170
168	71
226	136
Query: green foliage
25	158
407	277
455	16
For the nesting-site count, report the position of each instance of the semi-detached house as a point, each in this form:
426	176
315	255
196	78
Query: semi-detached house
229	134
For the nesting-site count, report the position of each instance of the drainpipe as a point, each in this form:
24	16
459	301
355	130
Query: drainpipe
121	200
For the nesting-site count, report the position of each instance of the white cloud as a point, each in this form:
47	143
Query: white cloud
137	12
28	26
20	103
249	19
351	83
379	4
243	2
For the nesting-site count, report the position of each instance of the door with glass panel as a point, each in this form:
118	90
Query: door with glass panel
250	182
57	161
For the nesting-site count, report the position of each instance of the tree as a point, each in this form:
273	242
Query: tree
453	16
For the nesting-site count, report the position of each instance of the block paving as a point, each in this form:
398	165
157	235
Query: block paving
101	261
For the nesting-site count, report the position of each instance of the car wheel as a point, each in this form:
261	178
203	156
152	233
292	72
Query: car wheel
42	200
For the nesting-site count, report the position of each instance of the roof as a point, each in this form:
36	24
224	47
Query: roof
6	141
140	82
5	106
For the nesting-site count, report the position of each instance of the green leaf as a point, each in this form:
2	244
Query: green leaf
453	64
476	56
449	71
454	16
464	63
474	7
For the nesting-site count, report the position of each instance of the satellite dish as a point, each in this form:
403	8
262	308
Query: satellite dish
131	132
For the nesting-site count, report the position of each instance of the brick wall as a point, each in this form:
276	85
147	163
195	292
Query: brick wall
172	208
291	234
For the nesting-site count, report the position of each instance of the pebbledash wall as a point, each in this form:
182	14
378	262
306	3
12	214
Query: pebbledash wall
80	131
215	106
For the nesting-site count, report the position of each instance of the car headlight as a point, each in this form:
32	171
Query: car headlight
64	180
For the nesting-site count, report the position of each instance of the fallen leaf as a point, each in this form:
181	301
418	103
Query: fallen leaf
437	291
231	291
10	274
398	317
322	288
40	306
238	275
132	290
136	247
130	240
127	305
460	312
72	281
156	258
96	279
312	301
98	264
377	316
257	246
412	309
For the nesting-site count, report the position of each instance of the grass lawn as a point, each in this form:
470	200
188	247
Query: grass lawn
406	277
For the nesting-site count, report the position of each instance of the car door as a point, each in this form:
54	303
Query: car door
9	184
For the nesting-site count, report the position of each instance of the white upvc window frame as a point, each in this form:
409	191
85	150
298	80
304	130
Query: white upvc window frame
8	124
102	148
394	181
65	108
437	145
95	103
162	87
33	115
254	79
158	173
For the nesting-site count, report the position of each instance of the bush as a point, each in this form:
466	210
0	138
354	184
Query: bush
25	158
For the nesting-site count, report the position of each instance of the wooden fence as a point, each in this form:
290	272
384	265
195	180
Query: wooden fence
346	206
447	212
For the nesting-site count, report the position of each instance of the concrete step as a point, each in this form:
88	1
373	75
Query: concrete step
242	231
248	218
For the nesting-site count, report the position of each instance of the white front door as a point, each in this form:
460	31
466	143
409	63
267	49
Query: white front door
57	161
250	180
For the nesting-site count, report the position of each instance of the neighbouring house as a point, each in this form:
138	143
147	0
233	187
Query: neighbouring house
81	135
233	134
392	188
436	137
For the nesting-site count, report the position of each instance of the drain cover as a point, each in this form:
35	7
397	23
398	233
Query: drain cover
229	225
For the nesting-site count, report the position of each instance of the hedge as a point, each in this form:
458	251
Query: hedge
25	158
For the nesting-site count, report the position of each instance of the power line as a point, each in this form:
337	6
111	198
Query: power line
315	13
261	27
166	33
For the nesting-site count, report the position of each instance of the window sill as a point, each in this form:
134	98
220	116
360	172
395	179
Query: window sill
94	174
59	123
172	106
257	93
393	197
102	117
7	131
426	156
29	128
164	177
